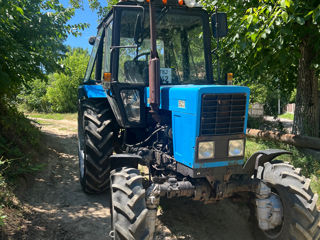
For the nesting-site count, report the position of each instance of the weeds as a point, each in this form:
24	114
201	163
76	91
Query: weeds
17	137
54	116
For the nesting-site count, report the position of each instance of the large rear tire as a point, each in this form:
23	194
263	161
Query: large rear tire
97	133
300	215
128	205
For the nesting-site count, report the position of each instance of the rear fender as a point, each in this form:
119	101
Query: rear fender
260	158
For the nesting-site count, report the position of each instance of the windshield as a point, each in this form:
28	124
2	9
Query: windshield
179	42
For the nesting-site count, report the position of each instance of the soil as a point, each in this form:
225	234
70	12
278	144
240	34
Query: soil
55	207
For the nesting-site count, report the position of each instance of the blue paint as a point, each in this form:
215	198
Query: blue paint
184	101
186	117
218	164
94	91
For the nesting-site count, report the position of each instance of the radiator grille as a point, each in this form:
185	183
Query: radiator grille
223	114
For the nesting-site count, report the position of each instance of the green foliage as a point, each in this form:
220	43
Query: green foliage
62	90
54	116
33	97
102	10
17	137
288	116
265	42
271	103
31	35
59	93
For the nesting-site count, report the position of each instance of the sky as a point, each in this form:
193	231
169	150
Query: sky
83	16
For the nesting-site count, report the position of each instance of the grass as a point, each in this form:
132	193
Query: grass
309	165
17	139
54	116
288	116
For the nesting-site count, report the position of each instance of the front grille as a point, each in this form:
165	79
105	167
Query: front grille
223	114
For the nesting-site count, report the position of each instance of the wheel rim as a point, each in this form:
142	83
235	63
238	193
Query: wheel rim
276	232
81	159
81	152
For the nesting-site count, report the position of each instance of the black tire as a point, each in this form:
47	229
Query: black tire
300	214
97	133
128	206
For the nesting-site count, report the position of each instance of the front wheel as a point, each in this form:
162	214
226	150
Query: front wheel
128	206
300	217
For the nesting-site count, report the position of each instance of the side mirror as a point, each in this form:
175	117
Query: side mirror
92	40
219	25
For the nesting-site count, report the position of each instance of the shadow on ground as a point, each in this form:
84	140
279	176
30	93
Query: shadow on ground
187	219
56	207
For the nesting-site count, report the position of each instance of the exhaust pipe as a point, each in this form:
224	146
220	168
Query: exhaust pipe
154	67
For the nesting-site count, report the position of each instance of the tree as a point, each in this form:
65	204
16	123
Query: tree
32	33
277	42
62	91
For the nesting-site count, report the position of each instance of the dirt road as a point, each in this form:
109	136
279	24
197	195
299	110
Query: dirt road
56	207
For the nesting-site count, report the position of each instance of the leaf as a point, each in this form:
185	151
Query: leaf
316	14
249	19
285	3
288	3
284	16
253	37
300	20
20	10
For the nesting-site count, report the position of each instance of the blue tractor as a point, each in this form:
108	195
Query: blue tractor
149	101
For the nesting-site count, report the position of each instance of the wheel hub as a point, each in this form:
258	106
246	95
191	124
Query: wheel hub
269	208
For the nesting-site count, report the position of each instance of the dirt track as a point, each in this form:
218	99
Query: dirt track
56	207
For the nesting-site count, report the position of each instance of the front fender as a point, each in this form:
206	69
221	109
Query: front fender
124	160
260	158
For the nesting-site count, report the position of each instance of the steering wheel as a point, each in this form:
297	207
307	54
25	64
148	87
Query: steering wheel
141	55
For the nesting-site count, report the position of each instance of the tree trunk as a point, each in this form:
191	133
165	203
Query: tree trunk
306	115
295	140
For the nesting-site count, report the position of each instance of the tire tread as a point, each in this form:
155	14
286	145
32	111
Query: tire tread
99	130
128	205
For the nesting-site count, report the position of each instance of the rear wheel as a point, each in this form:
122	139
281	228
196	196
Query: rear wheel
128	205
300	216
97	134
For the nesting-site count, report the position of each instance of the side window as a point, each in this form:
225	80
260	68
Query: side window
106	60
91	65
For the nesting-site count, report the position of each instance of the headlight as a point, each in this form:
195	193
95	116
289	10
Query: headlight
206	150
236	148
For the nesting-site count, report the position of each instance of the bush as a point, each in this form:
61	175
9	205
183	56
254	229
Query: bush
63	87
59	93
34	97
